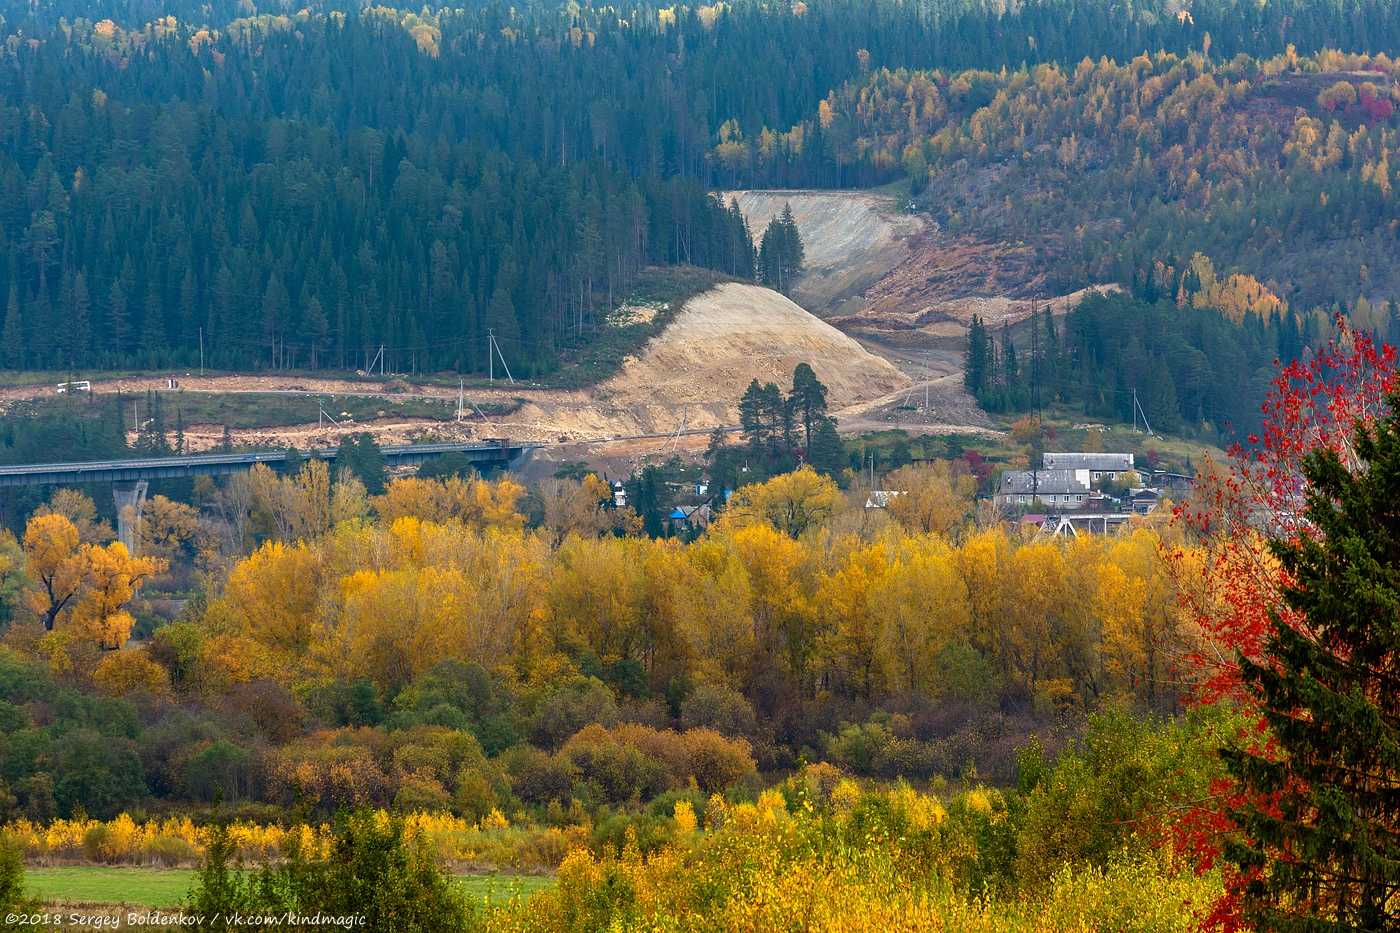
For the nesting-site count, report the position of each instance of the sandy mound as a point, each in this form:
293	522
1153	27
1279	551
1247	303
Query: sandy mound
851	238
723	339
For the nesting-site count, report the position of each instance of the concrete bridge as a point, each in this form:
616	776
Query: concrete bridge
129	478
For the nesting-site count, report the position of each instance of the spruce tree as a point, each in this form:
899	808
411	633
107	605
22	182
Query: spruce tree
808	402
11	333
827	453
977	364
751	416
1321	831
794	253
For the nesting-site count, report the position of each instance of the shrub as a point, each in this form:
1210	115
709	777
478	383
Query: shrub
11	877
420	792
461	695
436	751
617	772
859	748
331	770
97	842
370	869
716	762
474	796
170	851
219	771
717	707
346	703
131	673
178	647
267	706
570	708
632	760
536	777
97	773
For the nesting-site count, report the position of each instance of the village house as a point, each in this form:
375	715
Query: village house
1056	490
1100	467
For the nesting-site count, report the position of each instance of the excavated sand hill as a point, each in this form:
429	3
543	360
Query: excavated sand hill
723	339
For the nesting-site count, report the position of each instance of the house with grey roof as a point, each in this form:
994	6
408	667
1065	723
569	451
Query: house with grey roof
1056	490
1100	466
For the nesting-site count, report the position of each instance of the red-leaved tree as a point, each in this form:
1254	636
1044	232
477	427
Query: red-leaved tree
1233	593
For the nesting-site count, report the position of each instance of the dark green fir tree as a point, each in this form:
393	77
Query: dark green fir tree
1321	836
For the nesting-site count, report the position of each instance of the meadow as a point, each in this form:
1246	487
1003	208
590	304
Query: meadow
167	887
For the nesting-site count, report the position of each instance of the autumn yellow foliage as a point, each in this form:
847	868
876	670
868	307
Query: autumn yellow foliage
775	588
867	861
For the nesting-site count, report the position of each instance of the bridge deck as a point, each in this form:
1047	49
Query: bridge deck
113	471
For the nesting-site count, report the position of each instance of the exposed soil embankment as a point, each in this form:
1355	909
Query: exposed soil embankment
729	336
906	290
851	240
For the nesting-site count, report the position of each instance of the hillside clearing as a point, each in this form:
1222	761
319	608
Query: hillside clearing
851	239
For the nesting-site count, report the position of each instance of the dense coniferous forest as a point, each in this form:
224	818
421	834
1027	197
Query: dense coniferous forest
300	190
797	687
1187	370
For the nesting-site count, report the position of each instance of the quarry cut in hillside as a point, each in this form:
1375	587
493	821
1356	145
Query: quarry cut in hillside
875	270
906	290
851	238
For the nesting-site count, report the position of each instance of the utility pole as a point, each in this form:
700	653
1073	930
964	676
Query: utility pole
490	355
1137	407
495	347
460	385
201	352
928	376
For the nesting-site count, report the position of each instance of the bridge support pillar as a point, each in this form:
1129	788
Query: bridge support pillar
130	497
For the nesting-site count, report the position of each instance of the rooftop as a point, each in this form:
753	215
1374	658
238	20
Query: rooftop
1041	482
1101	462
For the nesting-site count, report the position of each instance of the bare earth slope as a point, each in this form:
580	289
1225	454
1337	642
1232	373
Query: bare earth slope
728	336
851	239
906	290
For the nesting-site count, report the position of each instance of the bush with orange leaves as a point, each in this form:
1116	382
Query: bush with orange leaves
635	760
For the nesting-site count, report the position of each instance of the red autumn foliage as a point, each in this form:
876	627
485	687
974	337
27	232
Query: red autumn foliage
1377	108
1313	404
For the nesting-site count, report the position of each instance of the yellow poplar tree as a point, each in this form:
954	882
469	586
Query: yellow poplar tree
112	578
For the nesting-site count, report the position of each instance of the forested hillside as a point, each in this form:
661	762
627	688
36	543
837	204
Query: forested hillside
296	191
1279	168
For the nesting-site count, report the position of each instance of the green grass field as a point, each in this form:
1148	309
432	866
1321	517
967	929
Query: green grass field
167	887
